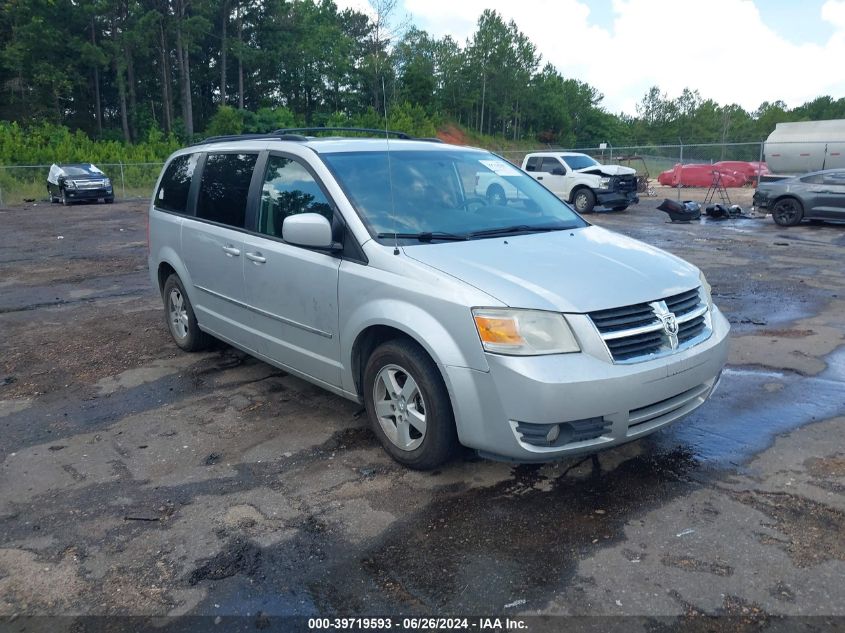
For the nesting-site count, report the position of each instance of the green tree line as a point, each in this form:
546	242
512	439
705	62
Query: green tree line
160	72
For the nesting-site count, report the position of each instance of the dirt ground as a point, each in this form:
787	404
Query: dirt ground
137	480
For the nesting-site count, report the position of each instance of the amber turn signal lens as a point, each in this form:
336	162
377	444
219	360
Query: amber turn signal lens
499	331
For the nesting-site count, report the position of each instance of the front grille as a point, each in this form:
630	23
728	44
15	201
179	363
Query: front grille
683	303
643	331
90	184
623	318
568	432
688	330
625	184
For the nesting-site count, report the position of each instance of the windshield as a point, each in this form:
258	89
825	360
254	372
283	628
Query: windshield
446	195
81	170
579	162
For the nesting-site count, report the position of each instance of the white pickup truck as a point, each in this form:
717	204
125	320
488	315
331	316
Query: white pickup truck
576	178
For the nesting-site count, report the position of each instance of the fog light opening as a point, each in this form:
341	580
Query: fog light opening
552	435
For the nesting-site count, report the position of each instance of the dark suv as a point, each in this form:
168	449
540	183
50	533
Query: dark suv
80	181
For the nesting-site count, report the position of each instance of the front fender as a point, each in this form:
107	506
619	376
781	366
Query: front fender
441	342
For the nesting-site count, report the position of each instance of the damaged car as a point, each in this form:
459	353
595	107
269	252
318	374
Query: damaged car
78	182
583	181
816	196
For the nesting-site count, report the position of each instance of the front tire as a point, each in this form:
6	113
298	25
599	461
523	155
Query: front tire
408	405
64	199
181	321
584	201
788	212
109	200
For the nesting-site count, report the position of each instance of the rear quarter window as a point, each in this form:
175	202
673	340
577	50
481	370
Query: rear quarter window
172	194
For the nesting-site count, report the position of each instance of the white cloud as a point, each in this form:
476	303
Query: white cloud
722	48
833	11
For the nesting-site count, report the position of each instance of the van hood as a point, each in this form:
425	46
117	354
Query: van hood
576	271
608	170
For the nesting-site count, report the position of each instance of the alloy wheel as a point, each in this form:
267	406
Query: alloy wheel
178	314
399	407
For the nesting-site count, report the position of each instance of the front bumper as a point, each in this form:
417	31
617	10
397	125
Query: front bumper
631	400
89	194
616	198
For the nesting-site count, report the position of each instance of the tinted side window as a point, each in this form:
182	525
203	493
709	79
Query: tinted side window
550	164
288	189
533	163
224	188
815	179
172	194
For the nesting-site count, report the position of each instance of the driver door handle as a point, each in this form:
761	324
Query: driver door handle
231	251
256	257
539	177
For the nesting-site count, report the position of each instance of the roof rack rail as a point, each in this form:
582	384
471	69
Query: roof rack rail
374	131
295	134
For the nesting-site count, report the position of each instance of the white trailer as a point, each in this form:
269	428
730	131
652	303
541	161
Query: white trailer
805	146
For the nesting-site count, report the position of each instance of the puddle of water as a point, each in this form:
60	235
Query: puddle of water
751	408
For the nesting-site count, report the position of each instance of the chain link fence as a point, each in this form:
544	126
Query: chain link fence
26	183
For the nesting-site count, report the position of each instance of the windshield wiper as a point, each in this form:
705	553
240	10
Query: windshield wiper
519	228
425	236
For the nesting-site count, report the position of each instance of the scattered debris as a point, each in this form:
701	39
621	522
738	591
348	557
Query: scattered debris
678	212
516	603
685	532
212	459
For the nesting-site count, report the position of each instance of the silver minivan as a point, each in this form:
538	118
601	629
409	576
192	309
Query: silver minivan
371	268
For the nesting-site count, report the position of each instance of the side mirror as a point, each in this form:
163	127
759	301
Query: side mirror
308	229
558	171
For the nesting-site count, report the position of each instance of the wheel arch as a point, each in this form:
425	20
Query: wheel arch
168	264
576	189
789	196
373	331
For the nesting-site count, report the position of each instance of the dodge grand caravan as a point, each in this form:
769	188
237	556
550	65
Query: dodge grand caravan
370	268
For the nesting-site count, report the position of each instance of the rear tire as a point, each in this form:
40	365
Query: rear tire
584	200
408	405
181	321
788	212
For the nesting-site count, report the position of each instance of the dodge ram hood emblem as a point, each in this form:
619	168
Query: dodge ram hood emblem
669	321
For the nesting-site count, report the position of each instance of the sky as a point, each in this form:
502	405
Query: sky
731	51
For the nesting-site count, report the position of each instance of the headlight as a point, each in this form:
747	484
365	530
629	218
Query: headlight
106	182
69	184
706	289
523	332
604	183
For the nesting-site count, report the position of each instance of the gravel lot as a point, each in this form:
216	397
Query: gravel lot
136	479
